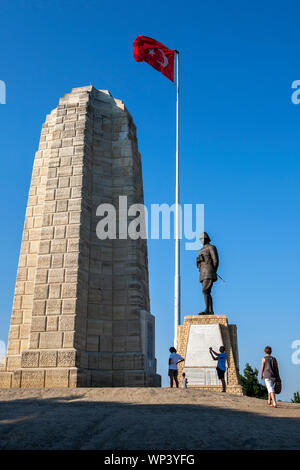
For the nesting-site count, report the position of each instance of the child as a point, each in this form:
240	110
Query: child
174	359
221	366
184	381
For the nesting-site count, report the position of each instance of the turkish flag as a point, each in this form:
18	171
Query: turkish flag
155	54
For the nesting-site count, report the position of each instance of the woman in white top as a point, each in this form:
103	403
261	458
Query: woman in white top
174	359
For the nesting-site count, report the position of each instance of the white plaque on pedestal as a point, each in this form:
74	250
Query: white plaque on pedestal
201	376
199	366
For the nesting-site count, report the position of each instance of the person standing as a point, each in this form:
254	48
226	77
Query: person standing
184	381
269	372
221	365
174	359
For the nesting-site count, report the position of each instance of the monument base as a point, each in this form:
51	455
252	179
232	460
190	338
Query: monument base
75	377
194	338
117	366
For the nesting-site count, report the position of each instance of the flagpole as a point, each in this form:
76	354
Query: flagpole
177	221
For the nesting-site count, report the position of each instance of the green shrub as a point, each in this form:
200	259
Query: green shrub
251	384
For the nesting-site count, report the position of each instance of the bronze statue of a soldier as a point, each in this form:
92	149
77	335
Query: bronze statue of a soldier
207	263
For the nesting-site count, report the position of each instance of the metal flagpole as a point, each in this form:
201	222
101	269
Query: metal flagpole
177	221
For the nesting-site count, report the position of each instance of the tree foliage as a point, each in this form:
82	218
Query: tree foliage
251	384
296	398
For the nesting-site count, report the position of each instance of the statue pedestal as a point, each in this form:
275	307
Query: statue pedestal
194	338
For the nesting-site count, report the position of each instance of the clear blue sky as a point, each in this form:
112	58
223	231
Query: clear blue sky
240	144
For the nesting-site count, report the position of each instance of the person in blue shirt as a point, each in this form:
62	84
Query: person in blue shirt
221	366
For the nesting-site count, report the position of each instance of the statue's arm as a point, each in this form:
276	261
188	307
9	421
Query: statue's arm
215	257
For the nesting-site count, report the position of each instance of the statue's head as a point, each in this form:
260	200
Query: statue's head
204	238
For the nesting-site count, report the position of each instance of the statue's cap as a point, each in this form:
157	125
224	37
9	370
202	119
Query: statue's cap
205	236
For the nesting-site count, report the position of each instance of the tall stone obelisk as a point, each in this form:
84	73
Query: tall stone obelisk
81	311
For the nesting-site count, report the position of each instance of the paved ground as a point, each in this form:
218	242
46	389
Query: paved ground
145	419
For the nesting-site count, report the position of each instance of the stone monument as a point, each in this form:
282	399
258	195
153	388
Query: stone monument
205	330
81	310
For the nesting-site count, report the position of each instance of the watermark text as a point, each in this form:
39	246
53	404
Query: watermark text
2	92
137	221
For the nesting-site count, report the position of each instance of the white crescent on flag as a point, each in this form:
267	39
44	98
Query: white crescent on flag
165	62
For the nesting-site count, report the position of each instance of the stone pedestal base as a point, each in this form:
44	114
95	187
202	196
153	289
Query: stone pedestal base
72	367
194	337
76	377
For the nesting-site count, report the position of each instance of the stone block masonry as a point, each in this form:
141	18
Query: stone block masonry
81	309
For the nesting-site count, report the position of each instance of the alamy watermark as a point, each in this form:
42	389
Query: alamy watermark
136	221
2	92
296	353
295	97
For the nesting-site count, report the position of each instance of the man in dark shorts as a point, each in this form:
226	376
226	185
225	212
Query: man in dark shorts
174	359
221	366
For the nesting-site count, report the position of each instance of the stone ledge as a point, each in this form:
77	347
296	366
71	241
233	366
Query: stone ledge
230	389
205	319
205	316
69	377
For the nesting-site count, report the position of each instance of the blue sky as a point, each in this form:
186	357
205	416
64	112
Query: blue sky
240	144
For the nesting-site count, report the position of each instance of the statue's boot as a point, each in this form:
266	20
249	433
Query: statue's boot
206	300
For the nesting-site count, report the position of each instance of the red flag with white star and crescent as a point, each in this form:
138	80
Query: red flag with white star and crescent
155	54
